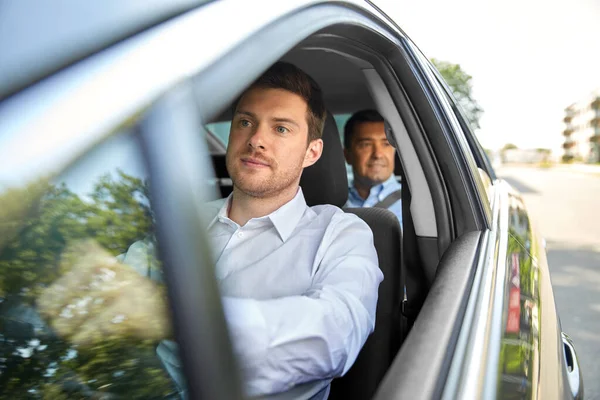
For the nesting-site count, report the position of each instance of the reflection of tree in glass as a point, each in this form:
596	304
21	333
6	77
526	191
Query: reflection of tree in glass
37	223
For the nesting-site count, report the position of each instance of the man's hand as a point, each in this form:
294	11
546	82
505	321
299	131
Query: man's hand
99	298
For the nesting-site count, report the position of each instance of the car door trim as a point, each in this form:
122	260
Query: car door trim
474	369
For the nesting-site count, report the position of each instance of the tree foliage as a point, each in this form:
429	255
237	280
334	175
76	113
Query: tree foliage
37	223
509	146
460	84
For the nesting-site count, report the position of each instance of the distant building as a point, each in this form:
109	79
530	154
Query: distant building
525	156
582	129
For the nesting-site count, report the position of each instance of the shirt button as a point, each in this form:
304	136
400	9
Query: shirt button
240	234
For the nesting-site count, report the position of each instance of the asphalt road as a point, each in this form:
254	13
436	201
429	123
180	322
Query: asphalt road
565	206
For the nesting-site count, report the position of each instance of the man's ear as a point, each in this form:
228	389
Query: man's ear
348	156
313	153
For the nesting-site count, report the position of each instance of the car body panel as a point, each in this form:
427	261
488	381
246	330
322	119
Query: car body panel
507	355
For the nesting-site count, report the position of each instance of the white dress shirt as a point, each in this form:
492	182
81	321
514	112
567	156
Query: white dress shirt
299	291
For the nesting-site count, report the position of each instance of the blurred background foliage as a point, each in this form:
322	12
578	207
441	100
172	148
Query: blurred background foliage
460	84
37	223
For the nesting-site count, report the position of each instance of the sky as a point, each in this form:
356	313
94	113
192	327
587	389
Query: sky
529	59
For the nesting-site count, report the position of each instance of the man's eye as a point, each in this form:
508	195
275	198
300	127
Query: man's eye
244	123
282	129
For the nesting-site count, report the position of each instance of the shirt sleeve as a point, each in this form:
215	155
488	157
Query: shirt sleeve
291	340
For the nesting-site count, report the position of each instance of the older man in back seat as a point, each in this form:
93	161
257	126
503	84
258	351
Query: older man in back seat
371	156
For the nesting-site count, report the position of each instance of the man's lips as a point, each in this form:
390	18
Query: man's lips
254	162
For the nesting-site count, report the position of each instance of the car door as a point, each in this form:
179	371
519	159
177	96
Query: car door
511	301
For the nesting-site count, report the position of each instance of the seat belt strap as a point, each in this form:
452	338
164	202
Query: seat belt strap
389	199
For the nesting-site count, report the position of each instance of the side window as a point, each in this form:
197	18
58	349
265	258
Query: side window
220	130
479	154
340	121
76	261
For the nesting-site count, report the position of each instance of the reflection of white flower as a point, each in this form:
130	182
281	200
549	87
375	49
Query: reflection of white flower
42	347
71	354
118	374
50	372
66	313
34	342
107	274
84	302
118	319
25	352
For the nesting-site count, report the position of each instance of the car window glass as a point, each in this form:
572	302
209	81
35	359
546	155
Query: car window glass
487	183
340	121
220	130
479	154
76	262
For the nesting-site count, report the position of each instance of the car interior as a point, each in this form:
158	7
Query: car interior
349	88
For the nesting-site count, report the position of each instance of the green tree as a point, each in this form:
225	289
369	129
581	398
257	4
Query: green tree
460	84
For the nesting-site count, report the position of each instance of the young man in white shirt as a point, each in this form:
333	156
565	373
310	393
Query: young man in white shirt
299	283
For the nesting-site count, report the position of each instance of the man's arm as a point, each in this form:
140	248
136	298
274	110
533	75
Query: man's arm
287	341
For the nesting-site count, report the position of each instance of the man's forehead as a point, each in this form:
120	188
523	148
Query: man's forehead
370	130
272	100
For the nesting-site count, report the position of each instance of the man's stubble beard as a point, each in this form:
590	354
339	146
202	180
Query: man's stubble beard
365	181
275	183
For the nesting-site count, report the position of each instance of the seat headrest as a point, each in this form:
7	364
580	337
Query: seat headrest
326	181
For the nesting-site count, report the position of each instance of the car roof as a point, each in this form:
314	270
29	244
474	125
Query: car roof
342	81
40	38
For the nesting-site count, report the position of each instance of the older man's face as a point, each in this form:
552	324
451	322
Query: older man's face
370	153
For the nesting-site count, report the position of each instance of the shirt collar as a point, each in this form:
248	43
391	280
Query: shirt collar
389	185
222	214
284	219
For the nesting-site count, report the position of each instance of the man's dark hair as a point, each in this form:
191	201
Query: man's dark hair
358	118
286	76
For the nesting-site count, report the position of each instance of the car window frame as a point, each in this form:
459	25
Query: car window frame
211	81
461	145
481	158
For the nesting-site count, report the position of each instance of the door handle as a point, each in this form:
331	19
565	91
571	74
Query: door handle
572	366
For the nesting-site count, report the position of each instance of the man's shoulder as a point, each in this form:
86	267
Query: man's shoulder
336	218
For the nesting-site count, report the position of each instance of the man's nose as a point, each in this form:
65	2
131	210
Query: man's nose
377	151
257	138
